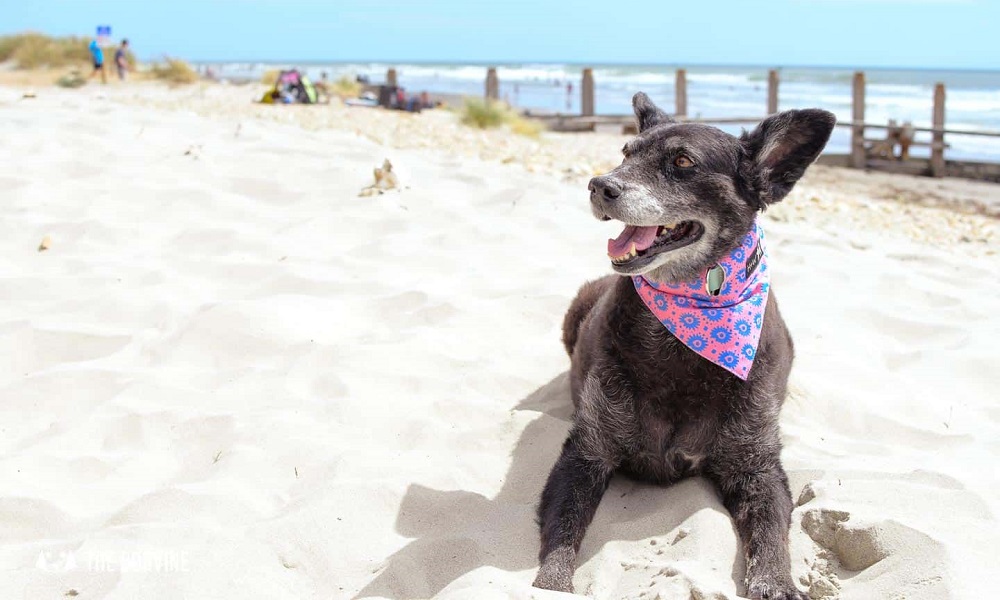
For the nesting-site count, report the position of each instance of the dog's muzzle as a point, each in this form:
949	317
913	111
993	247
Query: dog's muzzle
604	191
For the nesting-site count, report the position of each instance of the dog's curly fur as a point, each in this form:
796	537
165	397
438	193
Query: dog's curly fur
646	405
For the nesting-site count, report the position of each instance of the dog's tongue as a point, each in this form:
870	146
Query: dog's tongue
641	236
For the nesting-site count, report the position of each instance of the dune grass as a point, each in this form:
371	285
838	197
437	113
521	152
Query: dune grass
484	114
345	87
174	70
489	114
32	50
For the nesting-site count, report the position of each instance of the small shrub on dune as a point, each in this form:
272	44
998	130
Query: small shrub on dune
488	114
73	80
174	70
484	114
345	87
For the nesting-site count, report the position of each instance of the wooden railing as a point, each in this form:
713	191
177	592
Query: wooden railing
864	152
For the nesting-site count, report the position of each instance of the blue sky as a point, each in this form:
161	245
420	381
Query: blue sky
934	33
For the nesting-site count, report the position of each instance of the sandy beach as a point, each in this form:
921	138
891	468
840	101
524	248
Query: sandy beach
229	376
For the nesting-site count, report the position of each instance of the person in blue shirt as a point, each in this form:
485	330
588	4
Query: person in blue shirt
98	55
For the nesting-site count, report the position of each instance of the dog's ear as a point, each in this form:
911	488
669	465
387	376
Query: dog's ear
781	148
647	113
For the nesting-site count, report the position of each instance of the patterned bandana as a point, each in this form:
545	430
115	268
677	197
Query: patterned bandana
724	327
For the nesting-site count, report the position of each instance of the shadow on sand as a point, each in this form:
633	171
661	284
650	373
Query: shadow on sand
455	532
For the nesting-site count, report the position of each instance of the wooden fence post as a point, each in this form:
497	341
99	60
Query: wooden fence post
492	84
772	91
587	93
858	116
390	77
681	93
937	138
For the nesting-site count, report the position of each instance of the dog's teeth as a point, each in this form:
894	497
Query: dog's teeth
669	226
632	251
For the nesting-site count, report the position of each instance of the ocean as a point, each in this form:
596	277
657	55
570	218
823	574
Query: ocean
973	97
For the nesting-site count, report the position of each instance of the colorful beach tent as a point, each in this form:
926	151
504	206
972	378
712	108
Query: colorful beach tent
291	87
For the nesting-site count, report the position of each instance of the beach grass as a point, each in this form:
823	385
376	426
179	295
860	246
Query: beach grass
345	87
174	70
32	50
489	114
484	114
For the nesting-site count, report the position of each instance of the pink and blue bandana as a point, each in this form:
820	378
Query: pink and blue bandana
724	328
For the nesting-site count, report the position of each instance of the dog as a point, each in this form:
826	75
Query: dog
660	389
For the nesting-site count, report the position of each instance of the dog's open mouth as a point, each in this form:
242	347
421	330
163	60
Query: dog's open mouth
639	243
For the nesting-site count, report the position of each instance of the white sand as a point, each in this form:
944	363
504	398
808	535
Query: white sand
229	368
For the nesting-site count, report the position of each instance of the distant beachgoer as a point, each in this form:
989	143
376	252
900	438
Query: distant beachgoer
323	86
98	56
121	60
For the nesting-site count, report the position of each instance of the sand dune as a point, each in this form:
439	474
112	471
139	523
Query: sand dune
230	377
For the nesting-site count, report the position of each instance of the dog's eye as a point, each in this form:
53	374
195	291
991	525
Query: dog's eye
683	162
625	151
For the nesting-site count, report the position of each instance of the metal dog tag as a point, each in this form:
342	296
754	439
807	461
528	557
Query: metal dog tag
714	279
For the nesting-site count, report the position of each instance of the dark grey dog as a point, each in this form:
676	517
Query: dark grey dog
648	406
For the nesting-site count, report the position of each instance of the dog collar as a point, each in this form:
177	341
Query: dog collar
718	315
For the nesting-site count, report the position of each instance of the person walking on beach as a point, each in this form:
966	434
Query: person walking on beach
121	60
98	56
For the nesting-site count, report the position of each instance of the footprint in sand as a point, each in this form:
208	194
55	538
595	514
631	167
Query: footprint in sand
850	546
668	582
35	349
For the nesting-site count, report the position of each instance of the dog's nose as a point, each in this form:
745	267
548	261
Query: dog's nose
606	187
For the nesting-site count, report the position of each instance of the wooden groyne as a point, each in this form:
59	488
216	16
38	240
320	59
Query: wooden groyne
890	152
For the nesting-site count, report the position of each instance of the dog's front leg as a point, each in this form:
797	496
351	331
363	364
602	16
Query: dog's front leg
570	498
761	505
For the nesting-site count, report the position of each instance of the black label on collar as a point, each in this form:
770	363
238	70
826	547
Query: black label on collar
754	259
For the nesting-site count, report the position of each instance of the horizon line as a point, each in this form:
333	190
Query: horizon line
592	64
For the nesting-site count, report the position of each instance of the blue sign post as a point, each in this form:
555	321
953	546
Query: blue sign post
104	35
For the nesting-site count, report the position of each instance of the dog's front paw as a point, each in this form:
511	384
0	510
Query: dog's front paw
765	589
